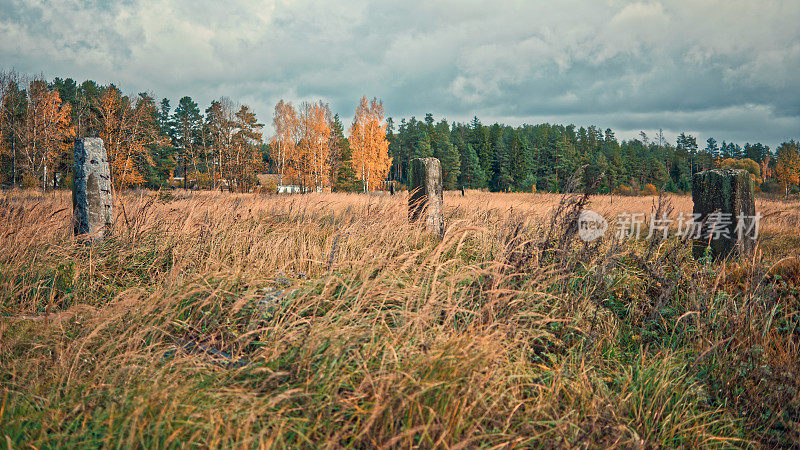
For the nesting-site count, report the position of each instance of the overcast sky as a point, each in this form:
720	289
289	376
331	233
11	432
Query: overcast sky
723	68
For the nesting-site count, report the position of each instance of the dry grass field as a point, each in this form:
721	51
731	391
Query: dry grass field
327	320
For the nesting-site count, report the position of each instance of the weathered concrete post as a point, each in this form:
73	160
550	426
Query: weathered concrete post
724	200
91	190
426	200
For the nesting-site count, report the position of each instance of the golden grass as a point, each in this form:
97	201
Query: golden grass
221	320
779	216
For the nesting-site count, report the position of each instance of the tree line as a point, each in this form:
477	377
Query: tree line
152	145
544	157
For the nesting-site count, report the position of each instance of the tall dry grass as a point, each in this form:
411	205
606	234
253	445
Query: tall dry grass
328	320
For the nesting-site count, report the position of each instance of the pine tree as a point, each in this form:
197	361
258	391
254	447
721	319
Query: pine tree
336	147
395	150
687	146
472	175
567	161
712	148
596	173
725	151
736	151
502	177
187	122
220	123
346	179
246	144
480	142
523	163
447	154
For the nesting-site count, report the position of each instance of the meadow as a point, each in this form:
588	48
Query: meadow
328	320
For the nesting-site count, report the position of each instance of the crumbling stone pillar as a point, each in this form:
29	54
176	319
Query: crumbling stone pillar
91	190
725	206
426	200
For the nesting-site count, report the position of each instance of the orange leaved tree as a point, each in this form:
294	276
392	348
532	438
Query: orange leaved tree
314	149
787	168
368	142
46	132
127	128
284	141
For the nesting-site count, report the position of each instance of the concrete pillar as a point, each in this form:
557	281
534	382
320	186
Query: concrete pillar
426	201
91	190
725	203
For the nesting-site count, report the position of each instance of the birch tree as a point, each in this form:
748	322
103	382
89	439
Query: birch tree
315	134
46	132
284	141
368	142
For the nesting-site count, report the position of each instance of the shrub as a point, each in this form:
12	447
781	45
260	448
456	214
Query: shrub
772	187
743	164
66	182
203	180
623	190
650	189
528	184
30	181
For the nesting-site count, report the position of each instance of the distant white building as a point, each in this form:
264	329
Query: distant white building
270	180
289	189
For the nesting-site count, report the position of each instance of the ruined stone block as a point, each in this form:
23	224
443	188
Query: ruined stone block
426	199
91	191
724	201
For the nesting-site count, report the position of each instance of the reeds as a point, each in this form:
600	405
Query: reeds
327	320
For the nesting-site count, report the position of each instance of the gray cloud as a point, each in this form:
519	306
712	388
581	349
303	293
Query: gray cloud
726	68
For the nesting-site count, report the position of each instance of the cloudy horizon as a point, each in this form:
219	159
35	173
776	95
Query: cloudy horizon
726	69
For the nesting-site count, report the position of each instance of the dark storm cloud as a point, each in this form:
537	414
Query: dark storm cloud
722	68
